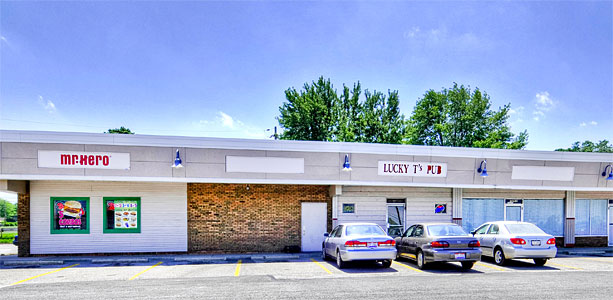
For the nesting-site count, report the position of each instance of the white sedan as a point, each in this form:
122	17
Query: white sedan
505	240
359	241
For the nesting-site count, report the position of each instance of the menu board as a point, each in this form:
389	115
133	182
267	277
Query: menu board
122	215
69	215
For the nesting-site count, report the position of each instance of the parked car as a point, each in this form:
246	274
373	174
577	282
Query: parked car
438	242
15	240
359	241
506	240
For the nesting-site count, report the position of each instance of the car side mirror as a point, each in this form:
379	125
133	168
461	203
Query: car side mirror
473	232
326	234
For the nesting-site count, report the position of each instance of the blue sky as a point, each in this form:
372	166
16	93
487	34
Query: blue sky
220	69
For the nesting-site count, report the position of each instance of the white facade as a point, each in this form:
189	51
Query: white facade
163	218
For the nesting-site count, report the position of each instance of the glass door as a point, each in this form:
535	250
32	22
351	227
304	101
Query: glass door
395	219
513	210
610	225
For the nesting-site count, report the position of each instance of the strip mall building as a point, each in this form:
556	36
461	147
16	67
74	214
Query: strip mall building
109	193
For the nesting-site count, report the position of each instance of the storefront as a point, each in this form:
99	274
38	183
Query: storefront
101	193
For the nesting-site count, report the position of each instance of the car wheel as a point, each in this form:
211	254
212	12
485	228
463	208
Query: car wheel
540	261
467	265
421	260
387	263
339	261
324	256
499	258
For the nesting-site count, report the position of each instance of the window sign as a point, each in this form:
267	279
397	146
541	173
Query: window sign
69	215
440	208
121	215
348	208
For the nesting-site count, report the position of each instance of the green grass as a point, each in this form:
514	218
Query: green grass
7	237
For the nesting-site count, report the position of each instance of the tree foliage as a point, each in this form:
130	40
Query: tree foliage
120	130
589	146
460	117
7	209
318	113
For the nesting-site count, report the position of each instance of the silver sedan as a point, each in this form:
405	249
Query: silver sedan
359	241
438	242
505	240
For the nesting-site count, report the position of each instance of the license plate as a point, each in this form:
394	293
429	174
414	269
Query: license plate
460	256
536	243
372	244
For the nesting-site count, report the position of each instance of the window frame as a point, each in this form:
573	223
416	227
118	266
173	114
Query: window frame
116	230
69	231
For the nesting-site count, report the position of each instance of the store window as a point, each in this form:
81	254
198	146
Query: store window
69	215
590	217
121	215
547	214
476	211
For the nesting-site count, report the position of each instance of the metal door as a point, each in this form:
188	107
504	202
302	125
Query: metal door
610	225
313	225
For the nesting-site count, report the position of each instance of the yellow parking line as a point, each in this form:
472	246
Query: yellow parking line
410	268
321	266
238	268
565	266
140	273
491	267
609	260
51	272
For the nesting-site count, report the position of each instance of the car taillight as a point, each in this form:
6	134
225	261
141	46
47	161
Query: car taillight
474	244
439	244
389	243
518	241
355	244
551	241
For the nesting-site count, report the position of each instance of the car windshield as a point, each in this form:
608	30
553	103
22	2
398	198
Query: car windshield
523	229
446	230
364	230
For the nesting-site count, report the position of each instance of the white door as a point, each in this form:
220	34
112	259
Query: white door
313	225
610	225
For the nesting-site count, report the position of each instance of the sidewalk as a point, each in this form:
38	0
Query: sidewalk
587	251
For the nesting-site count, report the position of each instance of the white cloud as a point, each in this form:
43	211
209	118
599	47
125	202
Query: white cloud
411	33
517	111
593	123
47	105
536	119
583	124
542	103
224	125
225	119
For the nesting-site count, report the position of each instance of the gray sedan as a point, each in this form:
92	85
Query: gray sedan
359	241
438	242
505	240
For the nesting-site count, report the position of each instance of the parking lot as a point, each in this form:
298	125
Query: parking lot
298	268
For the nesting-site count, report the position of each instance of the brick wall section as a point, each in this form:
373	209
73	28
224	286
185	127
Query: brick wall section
263	218
23	225
591	241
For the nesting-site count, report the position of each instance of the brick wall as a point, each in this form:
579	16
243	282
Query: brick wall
248	218
591	241
23	224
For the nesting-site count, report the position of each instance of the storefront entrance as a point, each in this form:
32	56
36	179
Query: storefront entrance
513	210
395	217
610	222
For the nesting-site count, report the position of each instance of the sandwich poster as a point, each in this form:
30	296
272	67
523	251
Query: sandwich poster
122	215
69	215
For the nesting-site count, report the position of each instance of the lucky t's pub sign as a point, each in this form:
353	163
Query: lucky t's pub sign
405	168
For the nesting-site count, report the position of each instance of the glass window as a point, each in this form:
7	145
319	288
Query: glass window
339	231
546	214
493	229
69	215
482	229
419	231
409	231
590	217
446	230
121	214
364	230
478	211
348	208
333	232
523	229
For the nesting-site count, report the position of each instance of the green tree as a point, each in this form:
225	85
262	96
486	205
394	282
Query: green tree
589	146
120	130
460	117
7	209
318	113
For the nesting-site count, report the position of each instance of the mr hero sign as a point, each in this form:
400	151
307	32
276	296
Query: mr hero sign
83	160
417	169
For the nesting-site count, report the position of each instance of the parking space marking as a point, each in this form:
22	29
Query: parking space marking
140	273
565	266
321	266
610	260
237	272
491	267
51	272
410	268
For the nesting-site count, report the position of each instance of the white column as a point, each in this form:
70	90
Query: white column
569	225
457	206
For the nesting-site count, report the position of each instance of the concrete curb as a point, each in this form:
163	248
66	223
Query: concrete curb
120	260
30	263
